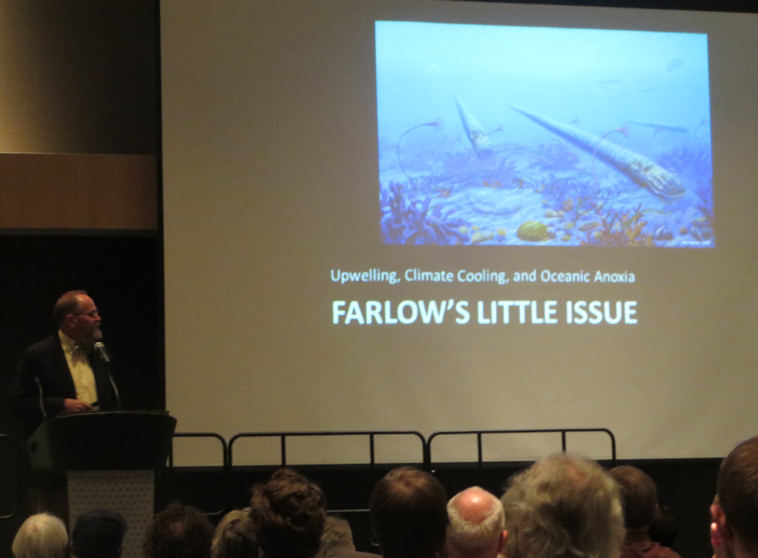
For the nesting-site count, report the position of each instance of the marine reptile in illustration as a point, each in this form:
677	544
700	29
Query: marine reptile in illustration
640	169
660	127
475	132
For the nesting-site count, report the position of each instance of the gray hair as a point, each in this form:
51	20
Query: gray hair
336	538
234	536
563	506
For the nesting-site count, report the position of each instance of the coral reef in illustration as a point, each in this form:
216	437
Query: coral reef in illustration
548	194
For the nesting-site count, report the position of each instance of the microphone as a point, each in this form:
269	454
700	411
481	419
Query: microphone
102	351
115	391
105	355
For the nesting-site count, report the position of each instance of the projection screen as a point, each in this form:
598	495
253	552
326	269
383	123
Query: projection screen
426	215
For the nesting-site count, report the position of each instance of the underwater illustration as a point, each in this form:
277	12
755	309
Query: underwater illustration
501	135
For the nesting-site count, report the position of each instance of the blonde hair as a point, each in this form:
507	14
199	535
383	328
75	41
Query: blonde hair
234	536
41	536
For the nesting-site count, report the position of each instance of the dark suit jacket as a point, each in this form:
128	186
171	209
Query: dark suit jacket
44	380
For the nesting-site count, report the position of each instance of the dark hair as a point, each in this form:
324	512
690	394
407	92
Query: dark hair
664	528
67	303
179	531
98	534
737	489
639	496
289	513
409	514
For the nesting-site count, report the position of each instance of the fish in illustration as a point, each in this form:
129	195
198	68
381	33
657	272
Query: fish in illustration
641	170
475	132
674	64
660	127
624	130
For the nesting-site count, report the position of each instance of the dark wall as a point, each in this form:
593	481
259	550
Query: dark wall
122	275
79	76
82	77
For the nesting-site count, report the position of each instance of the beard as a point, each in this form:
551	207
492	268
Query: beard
95	335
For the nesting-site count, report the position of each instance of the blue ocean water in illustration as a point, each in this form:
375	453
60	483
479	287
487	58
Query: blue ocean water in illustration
529	135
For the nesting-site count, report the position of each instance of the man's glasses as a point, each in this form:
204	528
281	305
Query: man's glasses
91	313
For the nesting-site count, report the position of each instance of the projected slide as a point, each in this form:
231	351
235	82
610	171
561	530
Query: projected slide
373	222
505	135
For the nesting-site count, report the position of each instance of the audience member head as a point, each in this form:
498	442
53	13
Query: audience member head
639	496
289	513
179	531
409	514
477	524
235	536
735	511
563	506
98	534
40	536
337	537
664	528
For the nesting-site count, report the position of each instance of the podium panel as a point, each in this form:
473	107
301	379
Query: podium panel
102	440
131	493
109	460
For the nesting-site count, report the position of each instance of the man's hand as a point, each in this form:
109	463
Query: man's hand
76	406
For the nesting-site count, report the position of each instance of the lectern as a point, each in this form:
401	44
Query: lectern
109	460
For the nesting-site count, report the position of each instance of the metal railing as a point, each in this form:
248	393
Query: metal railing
212	435
14	452
370	436
480	434
221	472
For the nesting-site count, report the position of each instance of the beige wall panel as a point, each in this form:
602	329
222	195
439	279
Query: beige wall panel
78	191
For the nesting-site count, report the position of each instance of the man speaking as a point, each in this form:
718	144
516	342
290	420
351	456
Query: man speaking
68	371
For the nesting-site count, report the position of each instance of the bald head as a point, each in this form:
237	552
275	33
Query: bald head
477	524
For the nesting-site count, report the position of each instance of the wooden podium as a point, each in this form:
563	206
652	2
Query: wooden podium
109	460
